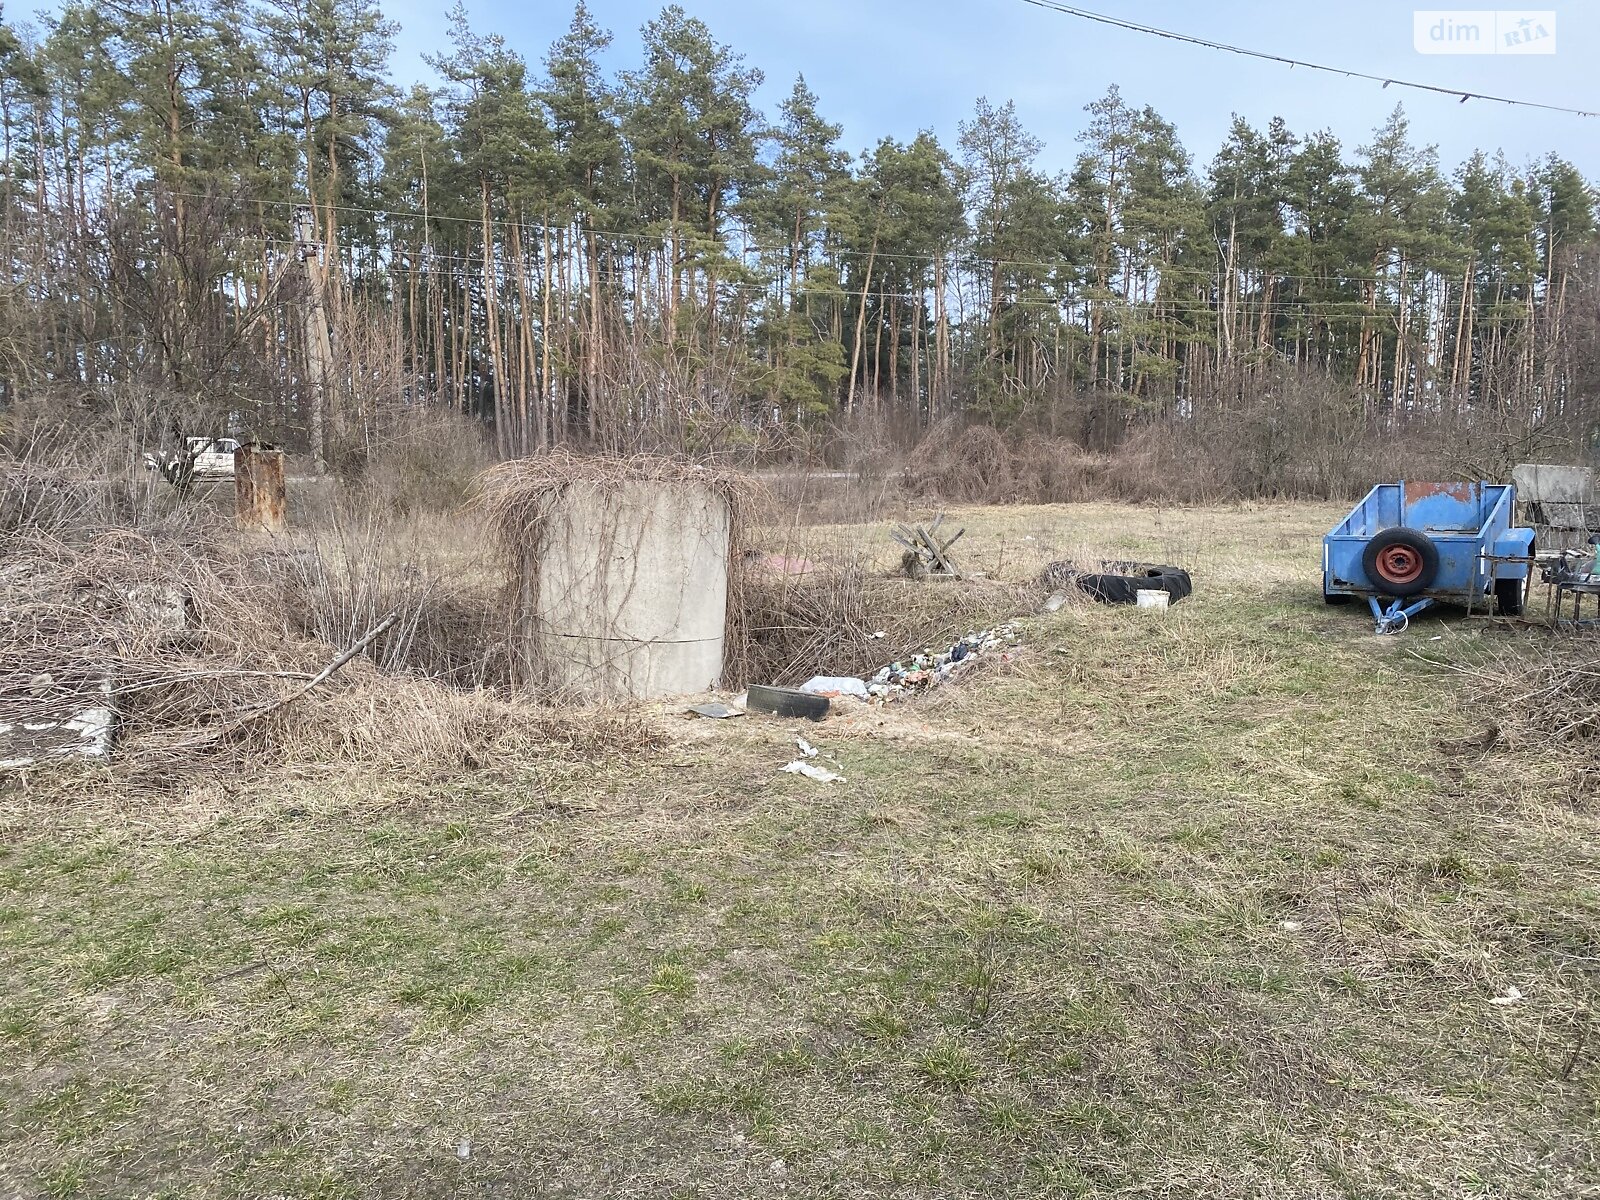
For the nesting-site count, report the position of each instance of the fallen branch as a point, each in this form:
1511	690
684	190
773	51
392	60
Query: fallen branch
925	550
320	677
366	640
161	681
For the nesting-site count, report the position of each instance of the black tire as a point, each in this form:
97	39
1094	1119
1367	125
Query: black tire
786	702
1511	595
1121	582
1401	562
1336	598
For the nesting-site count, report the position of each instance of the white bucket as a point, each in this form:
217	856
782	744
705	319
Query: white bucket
1153	598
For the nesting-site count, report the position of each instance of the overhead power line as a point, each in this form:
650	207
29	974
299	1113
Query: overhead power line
1461	94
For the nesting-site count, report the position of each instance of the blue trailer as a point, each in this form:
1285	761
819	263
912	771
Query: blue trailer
1407	545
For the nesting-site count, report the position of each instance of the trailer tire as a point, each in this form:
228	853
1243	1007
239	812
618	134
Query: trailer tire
1401	562
1511	595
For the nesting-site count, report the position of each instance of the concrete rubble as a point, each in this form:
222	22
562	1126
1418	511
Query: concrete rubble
66	714
48	726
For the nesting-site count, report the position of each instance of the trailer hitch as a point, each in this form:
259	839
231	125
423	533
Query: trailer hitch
1397	615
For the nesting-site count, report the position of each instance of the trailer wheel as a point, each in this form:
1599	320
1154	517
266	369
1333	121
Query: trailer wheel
1511	595
1401	562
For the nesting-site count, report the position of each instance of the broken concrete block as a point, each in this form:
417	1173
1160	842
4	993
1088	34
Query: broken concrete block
161	606
37	729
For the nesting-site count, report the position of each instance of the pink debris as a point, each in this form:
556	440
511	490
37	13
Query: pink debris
784	564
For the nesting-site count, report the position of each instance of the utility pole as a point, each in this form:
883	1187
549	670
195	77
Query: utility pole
319	348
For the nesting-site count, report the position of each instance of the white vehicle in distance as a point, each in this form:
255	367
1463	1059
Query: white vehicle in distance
212	457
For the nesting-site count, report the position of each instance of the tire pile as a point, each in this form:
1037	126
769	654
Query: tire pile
1120	582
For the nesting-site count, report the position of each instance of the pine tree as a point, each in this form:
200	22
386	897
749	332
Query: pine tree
332	58
1396	220
694	132
789	214
590	187
502	156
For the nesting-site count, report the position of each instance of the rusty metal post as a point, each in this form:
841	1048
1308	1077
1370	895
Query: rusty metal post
260	499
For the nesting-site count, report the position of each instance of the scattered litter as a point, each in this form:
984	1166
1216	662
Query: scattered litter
1055	602
1289	926
716	711
1152	598
1438	637
930	668
812	771
881	633
835	685
1512	996
464	1150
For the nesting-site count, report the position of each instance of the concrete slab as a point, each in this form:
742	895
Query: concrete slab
1542	483
1561	503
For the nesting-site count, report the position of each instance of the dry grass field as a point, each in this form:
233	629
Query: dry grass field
1215	902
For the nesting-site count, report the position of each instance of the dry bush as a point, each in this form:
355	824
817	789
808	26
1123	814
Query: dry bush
1546	701
364	560
1303	435
817	496
366	409
405	722
1290	435
90	604
423	461
95	607
979	464
46	500
824	622
1534	716
396	538
868	458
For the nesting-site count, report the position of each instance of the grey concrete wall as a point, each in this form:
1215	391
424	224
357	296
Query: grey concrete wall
1561	503
632	592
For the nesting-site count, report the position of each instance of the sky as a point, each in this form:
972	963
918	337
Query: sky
893	67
